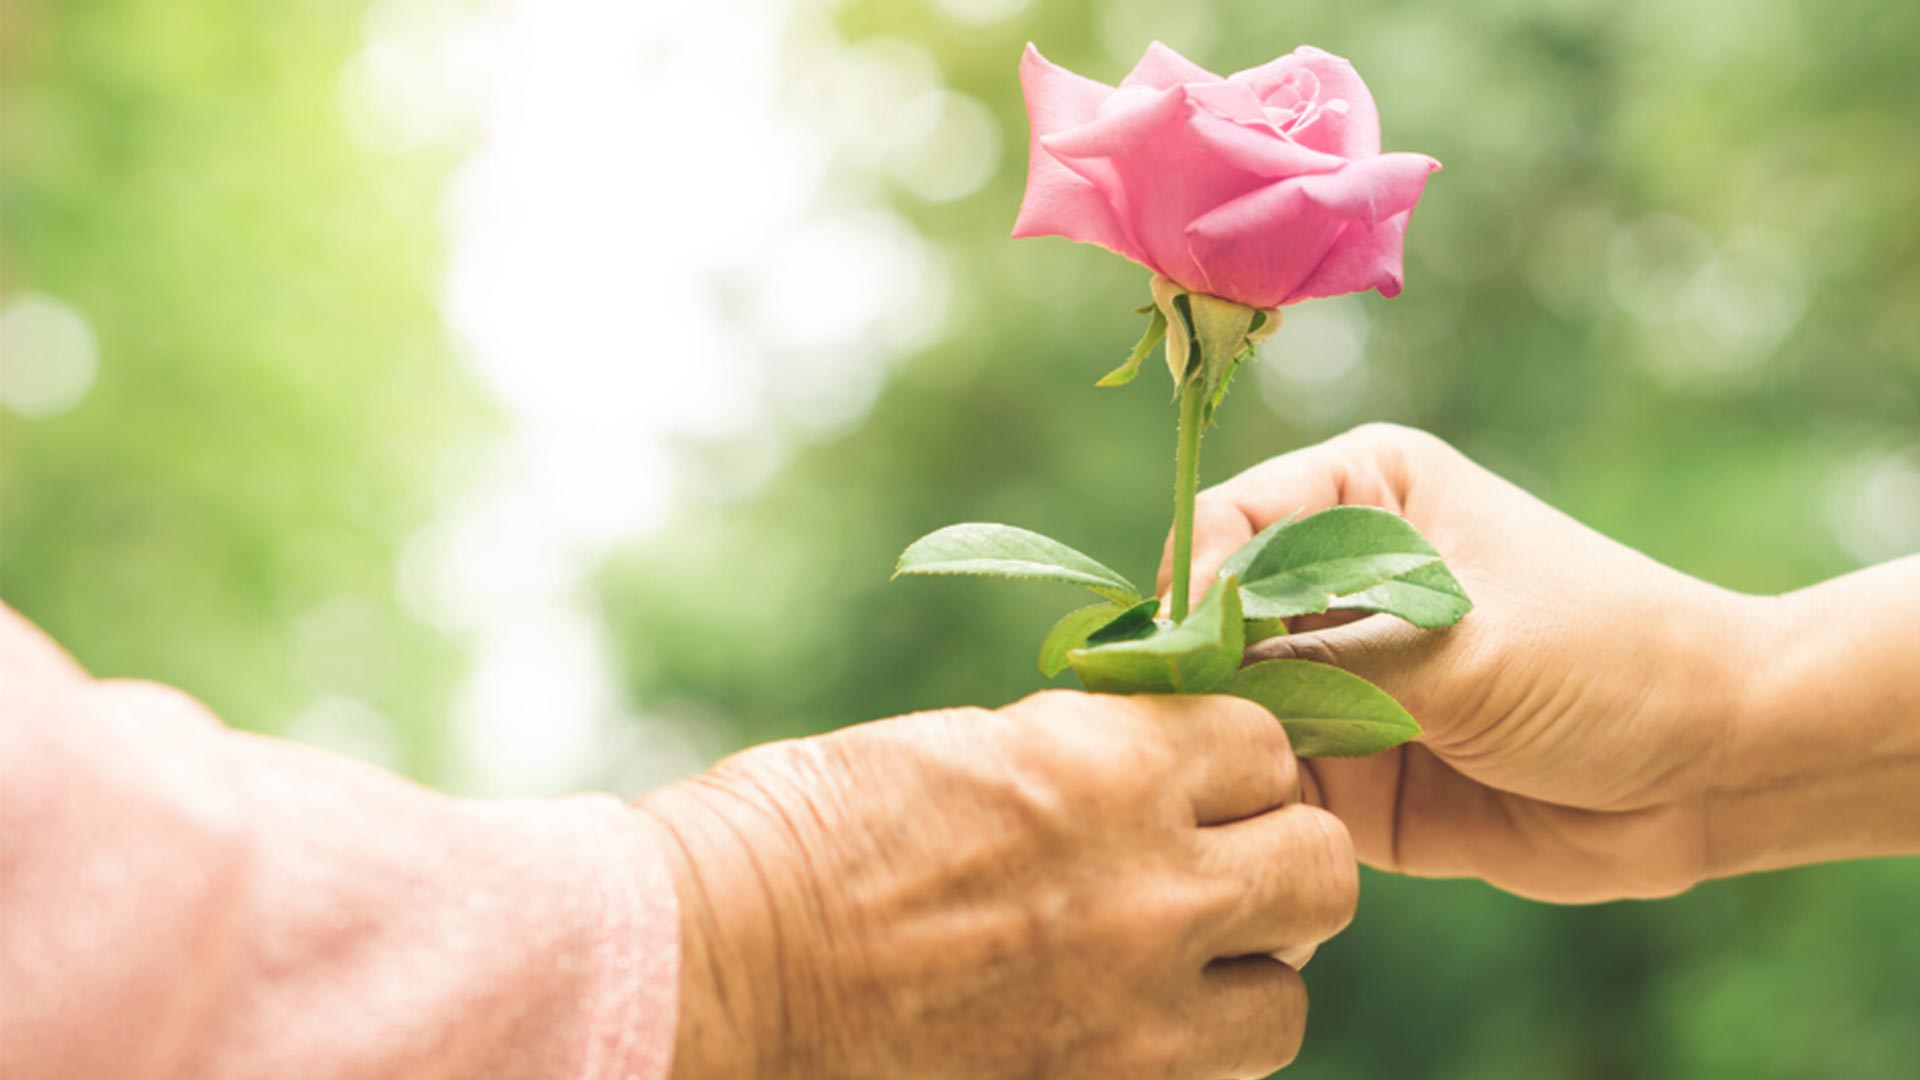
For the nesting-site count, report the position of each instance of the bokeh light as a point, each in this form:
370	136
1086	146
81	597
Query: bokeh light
47	356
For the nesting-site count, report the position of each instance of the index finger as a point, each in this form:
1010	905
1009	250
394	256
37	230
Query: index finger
1233	757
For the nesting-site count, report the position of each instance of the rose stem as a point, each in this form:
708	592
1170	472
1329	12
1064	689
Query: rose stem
1186	483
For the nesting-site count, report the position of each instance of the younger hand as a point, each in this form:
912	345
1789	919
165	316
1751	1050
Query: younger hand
1575	720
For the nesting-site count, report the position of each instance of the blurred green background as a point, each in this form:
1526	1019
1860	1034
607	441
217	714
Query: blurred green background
530	396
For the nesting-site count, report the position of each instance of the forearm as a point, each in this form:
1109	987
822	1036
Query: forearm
1823	760
183	900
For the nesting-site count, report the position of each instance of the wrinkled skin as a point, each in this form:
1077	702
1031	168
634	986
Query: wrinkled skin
1072	886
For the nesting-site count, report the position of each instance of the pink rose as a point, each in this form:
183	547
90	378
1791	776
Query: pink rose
1264	188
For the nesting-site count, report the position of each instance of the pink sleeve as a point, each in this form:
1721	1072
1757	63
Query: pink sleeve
181	900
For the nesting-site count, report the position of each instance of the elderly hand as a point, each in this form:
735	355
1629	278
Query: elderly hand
1071	886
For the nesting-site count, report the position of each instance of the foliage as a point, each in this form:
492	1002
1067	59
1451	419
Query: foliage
1348	558
1327	712
224	510
1009	552
1354	558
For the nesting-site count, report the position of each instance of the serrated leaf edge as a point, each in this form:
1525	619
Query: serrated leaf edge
1415	732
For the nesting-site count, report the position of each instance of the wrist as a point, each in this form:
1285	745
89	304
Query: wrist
1822	760
1742	759
1710	645
729	988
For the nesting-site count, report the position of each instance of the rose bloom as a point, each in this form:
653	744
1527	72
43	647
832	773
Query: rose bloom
1265	188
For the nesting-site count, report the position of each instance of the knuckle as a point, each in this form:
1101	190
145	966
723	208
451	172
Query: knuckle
1253	730
1141	721
1275	740
1400	453
1099	746
1047	717
1245	715
1397	438
1287	1023
1286	773
1048	704
1261	728
1338	896
1214	507
1071	714
1270	1022
960	716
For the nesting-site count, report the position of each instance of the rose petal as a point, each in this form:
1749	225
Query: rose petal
1232	101
1264	247
1126	119
1162	68
1372	189
1161	161
1133	117
1259	149
1131	127
1259	248
1360	259
1264	189
1354	133
1060	202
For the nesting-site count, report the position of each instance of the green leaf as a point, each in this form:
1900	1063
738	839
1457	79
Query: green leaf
1155	334
1262	629
1429	598
1135	622
1341	558
1237	562
1313	587
1009	552
1195	656
1107	622
1071	633
1327	712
